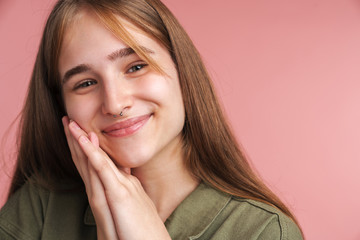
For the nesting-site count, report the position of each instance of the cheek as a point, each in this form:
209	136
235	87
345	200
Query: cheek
163	90
154	87
81	109
166	93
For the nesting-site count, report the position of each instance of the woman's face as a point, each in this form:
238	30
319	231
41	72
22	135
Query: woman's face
102	77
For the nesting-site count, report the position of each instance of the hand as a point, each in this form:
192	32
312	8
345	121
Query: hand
121	207
94	188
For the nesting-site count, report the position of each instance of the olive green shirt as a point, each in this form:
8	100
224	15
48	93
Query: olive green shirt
35	213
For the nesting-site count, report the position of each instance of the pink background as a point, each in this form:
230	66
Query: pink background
287	73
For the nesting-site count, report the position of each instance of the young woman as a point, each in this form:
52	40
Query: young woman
122	137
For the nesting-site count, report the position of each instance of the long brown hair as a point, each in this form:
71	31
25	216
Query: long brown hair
212	152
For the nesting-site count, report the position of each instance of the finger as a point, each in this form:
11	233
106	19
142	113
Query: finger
94	139
70	140
95	190
95	154
126	170
103	217
102	164
78	157
118	171
101	210
106	169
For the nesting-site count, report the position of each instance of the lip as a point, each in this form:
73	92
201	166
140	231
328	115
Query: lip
127	127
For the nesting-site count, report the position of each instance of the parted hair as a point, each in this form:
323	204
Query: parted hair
211	152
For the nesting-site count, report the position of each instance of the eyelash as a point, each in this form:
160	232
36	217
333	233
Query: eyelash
136	67
85	84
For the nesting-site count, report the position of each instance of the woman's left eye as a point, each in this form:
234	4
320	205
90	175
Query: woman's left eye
136	68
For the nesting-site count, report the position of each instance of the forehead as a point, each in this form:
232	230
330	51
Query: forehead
87	26
87	36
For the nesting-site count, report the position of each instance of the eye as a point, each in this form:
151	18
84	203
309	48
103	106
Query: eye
85	84
136	67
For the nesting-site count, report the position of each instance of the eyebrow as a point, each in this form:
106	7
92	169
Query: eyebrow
120	53
75	70
124	52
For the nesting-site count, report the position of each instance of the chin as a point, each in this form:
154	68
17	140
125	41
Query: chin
130	161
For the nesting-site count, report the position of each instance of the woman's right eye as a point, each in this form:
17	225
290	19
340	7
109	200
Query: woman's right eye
85	84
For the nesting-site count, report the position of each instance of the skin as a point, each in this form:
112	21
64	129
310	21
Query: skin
134	180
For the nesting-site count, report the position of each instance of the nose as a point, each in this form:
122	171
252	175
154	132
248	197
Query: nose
116	98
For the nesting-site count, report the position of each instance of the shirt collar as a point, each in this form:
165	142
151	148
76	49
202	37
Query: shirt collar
193	216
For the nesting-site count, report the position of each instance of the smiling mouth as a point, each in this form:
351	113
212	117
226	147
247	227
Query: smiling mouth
127	127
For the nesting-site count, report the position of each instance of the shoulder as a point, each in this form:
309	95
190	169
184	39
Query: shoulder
34	212
257	220
210	214
21	216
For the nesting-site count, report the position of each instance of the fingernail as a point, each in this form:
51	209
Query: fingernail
74	124
83	139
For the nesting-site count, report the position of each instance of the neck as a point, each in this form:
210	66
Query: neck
167	182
